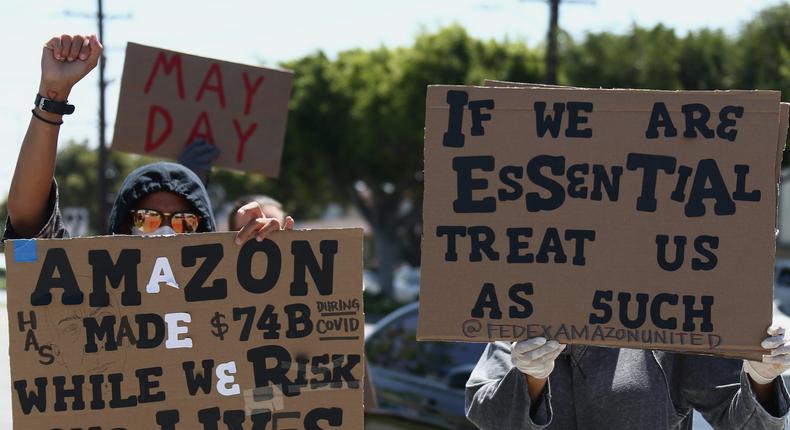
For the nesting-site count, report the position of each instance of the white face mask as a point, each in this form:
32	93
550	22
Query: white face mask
165	230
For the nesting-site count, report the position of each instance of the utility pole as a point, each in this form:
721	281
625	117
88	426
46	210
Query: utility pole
101	176
102	167
552	48
551	44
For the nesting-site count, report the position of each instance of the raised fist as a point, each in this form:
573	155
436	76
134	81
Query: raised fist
65	60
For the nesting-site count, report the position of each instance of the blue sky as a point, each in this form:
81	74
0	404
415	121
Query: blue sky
266	32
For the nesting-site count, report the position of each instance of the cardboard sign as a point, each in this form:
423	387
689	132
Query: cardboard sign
170	99
624	218
187	332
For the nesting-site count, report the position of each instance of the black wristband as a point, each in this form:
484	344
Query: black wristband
52	106
41	118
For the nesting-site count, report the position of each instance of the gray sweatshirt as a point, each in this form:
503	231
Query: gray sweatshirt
610	388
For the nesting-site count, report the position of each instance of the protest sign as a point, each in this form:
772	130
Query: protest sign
187	332
623	218
170	99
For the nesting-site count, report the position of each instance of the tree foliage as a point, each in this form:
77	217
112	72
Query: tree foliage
355	130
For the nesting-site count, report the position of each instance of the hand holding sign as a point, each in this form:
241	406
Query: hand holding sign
258	224
535	357
65	60
774	363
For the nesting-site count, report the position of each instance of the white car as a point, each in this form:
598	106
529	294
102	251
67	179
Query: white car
406	284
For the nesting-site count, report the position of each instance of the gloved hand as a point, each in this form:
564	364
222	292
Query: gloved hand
773	364
535	357
198	157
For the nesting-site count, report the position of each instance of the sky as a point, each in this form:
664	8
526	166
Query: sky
267	32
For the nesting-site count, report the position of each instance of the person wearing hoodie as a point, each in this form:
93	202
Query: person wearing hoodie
160	198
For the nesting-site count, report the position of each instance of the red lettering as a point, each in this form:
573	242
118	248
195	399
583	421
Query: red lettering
250	90
217	87
150	143
243	137
201	130
173	63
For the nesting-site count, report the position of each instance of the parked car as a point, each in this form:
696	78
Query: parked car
406	283
370	282
420	383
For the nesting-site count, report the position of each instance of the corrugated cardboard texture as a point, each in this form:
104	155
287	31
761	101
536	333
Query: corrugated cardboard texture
317	334
623	257
169	99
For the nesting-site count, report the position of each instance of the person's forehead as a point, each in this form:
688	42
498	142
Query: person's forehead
165	201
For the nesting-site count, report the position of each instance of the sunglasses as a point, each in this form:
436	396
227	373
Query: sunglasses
148	220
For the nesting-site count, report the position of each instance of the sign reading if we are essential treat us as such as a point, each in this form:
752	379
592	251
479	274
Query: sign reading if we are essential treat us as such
623	218
187	332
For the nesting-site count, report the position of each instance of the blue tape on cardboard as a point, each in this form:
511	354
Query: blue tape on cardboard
25	251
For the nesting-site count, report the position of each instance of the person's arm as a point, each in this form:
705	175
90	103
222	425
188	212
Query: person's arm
766	395
724	394
64	61
499	395
535	387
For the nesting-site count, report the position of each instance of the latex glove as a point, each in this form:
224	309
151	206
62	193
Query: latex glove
535	357
773	364
198	157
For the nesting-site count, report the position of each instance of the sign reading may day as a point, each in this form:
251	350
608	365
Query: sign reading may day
170	99
622	218
187	332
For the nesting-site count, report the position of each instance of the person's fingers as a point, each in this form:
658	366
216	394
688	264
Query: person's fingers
65	48
252	208
776	330
271	224
543	352
773	342
539	367
197	145
76	45
783	359
524	346
53	44
551	355
248	231
85	49
784	349
529	351
214	152
204	150
289	223
96	48
57	47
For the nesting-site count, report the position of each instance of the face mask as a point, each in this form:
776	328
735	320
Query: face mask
165	230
